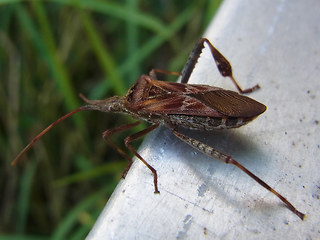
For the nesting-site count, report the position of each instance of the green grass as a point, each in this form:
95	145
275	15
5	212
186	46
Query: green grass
50	51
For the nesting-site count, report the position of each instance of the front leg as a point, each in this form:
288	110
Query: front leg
135	136
106	136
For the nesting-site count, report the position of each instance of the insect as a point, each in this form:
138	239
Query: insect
177	105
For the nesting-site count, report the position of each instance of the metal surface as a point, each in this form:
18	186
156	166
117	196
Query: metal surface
273	43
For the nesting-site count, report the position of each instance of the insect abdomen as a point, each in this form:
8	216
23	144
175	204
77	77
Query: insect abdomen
207	123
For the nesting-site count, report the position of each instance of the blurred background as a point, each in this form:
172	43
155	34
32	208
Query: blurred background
50	51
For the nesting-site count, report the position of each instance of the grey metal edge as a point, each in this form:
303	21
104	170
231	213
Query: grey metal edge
271	42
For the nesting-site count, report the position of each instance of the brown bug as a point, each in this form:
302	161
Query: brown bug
175	105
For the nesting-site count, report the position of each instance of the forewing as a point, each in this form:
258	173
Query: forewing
230	103
177	104
158	97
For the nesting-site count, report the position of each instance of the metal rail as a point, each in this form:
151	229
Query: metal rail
271	42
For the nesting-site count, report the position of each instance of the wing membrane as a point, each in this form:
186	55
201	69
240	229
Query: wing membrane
230	103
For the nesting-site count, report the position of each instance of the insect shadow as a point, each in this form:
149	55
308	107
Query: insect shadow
213	174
